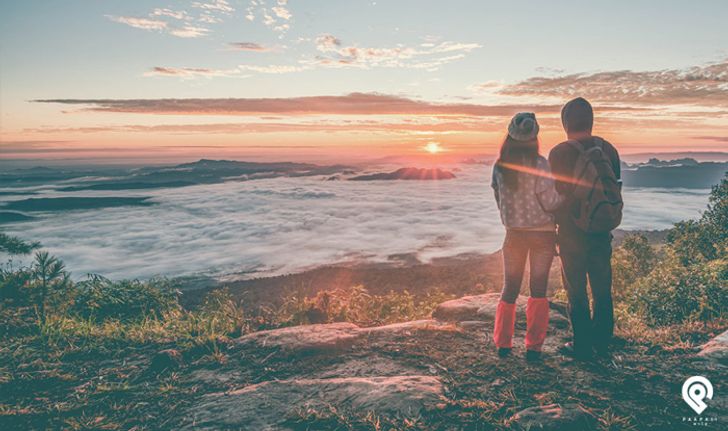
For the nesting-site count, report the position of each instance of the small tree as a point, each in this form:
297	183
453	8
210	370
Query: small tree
698	241
47	276
13	245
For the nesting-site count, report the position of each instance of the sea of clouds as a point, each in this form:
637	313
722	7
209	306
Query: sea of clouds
282	225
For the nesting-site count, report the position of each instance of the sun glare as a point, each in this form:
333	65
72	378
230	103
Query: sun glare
433	147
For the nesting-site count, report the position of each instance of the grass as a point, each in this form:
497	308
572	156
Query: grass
94	372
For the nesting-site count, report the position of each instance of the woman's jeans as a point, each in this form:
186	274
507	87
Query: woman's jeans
539	247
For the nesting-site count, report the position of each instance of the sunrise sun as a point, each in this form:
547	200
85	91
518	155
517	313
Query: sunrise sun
433	147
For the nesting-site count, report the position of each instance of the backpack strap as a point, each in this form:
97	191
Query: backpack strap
577	145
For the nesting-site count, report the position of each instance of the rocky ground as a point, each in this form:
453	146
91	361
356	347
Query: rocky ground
434	374
443	374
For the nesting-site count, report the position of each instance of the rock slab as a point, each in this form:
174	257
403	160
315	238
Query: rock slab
553	417
716	350
483	308
321	338
266	406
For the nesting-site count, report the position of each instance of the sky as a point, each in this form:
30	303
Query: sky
159	80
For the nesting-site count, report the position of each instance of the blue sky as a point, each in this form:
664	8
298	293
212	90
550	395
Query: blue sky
437	52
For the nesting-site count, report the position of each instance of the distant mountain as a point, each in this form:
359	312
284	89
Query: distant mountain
408	174
686	174
187	174
700	156
686	161
71	203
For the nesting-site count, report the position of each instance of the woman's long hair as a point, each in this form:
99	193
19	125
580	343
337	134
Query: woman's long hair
513	154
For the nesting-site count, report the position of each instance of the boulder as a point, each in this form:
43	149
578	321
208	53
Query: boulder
474	325
553	417
483	308
465	308
320	338
716	350
267	405
487	310
408	327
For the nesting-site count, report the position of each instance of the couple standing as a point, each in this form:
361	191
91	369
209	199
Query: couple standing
572	200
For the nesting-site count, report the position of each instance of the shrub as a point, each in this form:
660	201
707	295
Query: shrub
705	239
675	293
358	306
99	298
222	314
633	260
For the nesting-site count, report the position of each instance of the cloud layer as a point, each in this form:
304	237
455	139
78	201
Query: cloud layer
351	104
288	224
700	85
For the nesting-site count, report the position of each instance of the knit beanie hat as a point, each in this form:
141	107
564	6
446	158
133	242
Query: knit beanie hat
523	127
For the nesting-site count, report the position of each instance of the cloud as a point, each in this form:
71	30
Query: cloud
191	72
712	138
141	23
275	17
289	224
351	104
388	127
181	23
215	5
705	85
248	46
189	31
273	69
178	15
485	87
427	56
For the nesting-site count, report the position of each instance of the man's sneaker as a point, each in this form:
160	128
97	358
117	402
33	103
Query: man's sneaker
504	352
580	354
533	356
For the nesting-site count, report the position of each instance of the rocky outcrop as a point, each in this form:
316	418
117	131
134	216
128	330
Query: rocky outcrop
267	405
356	370
553	417
716	350
483	308
321	338
408	327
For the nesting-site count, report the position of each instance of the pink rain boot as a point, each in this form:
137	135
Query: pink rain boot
537	323
505	321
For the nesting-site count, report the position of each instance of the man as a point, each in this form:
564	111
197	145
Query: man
584	254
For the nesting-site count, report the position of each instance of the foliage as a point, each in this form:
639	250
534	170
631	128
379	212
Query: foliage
689	283
357	305
634	259
705	239
47	280
100	299
675	293
13	245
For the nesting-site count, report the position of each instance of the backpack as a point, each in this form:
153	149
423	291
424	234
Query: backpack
597	191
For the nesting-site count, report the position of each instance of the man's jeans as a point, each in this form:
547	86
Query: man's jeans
588	255
540	248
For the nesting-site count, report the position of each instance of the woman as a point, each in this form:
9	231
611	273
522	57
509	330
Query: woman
525	193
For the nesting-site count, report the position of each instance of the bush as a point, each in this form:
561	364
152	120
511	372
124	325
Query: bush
99	299
358	306
707	238
675	293
633	260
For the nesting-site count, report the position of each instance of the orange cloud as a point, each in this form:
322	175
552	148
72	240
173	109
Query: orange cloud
350	104
700	85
